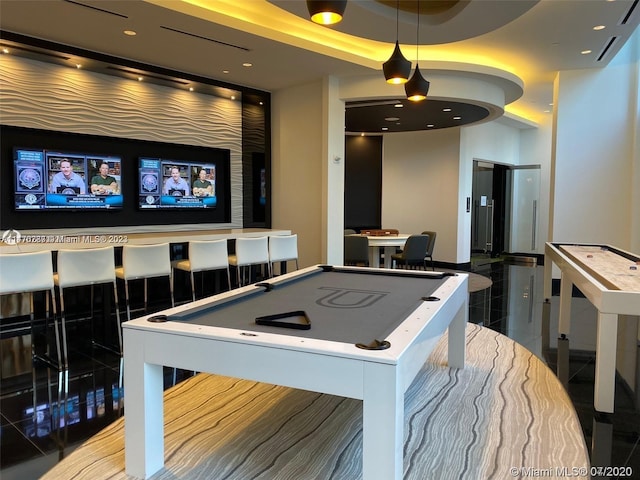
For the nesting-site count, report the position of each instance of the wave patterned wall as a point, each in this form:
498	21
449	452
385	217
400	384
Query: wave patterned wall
41	95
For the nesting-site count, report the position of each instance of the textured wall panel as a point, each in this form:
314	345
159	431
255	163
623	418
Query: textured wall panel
41	95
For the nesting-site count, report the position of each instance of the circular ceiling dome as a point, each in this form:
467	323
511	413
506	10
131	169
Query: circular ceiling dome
444	21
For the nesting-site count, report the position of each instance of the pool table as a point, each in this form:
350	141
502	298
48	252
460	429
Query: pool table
356	332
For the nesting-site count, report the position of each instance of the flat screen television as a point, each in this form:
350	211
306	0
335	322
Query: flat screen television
49	179
174	184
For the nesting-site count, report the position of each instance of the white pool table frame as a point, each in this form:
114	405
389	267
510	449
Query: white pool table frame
379	378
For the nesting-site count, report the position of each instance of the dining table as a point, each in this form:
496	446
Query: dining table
384	245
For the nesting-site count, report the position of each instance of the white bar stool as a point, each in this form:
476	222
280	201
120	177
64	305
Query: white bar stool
250	251
86	267
204	256
283	248
144	262
31	273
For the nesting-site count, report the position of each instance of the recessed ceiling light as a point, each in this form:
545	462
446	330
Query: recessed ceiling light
131	33
362	134
385	128
225	71
446	109
457	118
5	50
599	27
191	89
392	119
585	52
398	105
139	79
233	97
431	125
247	64
78	65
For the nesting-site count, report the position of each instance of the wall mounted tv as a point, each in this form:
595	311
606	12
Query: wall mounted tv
52	180
174	184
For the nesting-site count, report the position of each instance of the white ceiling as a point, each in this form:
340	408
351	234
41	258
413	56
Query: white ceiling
528	39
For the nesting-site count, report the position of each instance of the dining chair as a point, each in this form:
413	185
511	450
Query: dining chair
432	243
356	250
204	255
413	253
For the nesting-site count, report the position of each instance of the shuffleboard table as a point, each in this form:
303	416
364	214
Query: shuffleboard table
610	278
361	333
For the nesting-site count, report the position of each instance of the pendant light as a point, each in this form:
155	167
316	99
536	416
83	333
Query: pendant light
326	12
417	87
397	68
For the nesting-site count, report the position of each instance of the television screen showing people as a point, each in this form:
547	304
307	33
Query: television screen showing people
176	184
46	179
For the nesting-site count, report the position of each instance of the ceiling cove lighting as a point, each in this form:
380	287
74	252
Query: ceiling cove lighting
326	12
397	68
417	87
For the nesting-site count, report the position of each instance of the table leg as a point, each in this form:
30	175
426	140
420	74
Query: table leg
374	257
605	381
382	423
388	251
144	419
564	319
457	336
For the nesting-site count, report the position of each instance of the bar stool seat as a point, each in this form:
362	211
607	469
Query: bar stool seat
204	256
283	248
31	273
250	251
142	262
86	267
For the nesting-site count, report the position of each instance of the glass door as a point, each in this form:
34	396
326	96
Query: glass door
525	209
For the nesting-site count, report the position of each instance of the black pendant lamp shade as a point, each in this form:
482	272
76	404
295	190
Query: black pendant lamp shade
417	87
397	68
326	12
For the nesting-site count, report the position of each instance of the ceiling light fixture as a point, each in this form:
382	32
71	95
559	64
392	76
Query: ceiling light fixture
397	68
417	87
326	12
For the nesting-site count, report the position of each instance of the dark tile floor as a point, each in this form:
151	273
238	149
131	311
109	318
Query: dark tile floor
33	439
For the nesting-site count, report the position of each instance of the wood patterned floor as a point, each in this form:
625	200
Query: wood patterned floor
505	410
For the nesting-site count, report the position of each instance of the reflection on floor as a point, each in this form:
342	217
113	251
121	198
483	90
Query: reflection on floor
33	439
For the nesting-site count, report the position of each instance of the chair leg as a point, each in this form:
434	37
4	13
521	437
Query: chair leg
65	351
193	286
56	331
145	295
173	302
118	323
126	298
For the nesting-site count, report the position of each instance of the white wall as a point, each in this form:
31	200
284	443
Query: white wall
596	159
420	186
297	173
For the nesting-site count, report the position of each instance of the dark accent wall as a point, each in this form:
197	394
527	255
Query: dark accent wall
363	182
129	151
256	161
